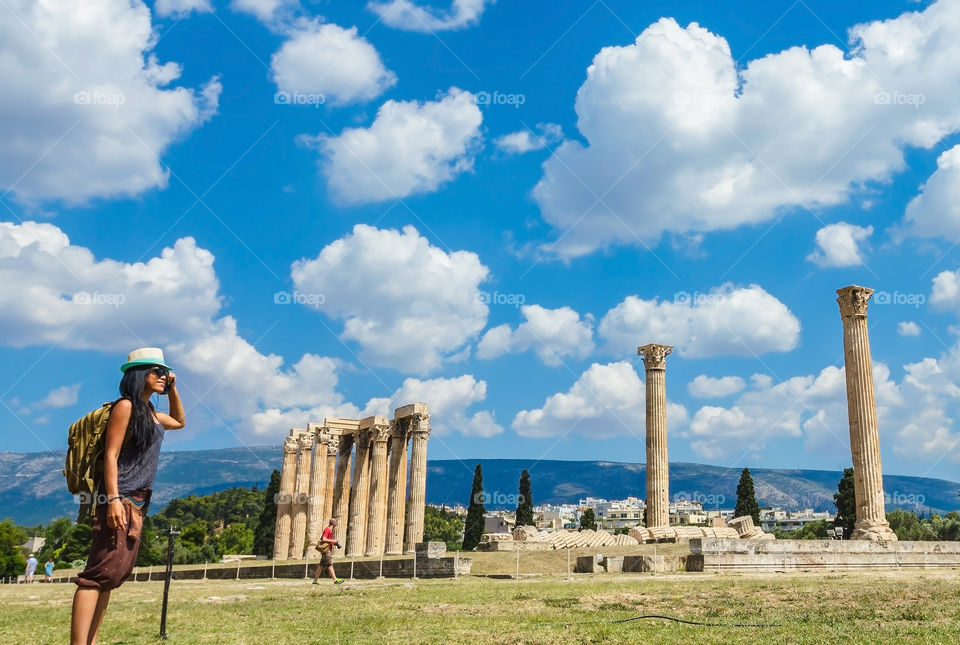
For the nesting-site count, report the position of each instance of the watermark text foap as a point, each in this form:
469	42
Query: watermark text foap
299	298
96	298
896	498
698	299
113	99
706	500
497	498
299	98
897	298
497	298
500	98
883	97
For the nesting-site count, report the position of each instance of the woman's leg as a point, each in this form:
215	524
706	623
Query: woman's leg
85	602
98	617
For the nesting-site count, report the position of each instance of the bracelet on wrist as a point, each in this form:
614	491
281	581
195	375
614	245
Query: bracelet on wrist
114	498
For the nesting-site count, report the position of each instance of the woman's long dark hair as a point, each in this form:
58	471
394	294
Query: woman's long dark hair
142	419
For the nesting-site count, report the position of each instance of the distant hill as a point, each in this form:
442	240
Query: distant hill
33	490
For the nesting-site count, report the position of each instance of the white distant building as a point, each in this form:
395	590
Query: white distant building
791	520
619	514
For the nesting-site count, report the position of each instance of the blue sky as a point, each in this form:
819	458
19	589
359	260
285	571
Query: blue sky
324	209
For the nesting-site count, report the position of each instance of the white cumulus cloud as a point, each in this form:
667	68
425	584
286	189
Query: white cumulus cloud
329	60
838	245
708	387
449	399
411	148
178	7
409	16
88	109
605	401
523	141
908	328
553	334
680	138
737	321
408	304
936	210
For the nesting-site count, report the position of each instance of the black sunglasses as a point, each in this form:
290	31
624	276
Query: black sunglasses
159	372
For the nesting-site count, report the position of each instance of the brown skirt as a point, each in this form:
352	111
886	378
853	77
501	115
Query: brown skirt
113	552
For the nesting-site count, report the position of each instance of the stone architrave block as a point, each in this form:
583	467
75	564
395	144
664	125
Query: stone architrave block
431	550
612	564
586	564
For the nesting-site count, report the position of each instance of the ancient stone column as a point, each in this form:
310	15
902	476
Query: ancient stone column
288	475
397	492
658	469
419	432
298	525
341	487
318	488
333	444
871	521
359	496
377	511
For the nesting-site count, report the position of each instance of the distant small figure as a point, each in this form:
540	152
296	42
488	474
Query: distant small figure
48	570
326	545
31	568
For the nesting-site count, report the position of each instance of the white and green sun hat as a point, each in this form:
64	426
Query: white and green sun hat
144	356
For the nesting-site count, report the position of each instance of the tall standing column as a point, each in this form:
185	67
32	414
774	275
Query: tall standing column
333	445
871	521
359	496
298	526
318	488
377	512
658	469
397	493
341	487
288	475
420	432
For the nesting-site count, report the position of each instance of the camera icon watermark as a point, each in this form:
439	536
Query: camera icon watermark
883	97
298	298
284	97
99	98
497	498
497	298
500	98
896	298
714	500
96	298
698	299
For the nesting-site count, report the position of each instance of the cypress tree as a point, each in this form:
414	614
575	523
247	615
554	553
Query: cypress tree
746	498
473	526
846	503
263	534
588	521
524	501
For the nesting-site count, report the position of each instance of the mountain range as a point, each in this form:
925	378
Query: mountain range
33	490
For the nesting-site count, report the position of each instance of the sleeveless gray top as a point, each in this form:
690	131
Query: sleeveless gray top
137	469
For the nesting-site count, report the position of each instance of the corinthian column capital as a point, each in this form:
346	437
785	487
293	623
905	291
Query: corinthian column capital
420	425
654	355
290	445
333	445
853	300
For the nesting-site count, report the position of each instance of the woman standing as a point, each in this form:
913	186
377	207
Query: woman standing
131	454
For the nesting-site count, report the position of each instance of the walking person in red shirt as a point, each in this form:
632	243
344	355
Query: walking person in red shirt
327	542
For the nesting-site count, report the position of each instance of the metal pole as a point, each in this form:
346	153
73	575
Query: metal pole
518	564
171	533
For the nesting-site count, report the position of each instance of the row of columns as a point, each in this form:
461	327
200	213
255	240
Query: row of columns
355	471
871	521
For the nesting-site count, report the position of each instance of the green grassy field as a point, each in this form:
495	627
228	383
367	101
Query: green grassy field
863	607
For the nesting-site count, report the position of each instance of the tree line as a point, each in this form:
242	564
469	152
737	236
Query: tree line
242	521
